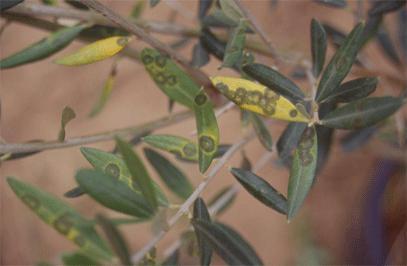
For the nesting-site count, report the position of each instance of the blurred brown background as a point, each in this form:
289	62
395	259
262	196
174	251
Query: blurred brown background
33	96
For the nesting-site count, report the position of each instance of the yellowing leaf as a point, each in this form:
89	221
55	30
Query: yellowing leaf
96	51
258	98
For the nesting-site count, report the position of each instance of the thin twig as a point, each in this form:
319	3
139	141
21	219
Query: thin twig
126	24
16	148
260	31
188	203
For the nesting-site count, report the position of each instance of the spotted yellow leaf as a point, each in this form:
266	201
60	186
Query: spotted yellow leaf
95	52
258	98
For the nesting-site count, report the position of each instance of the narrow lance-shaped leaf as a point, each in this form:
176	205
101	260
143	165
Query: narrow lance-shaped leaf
387	46
6	4
153	3
402	33
334	34
212	44
201	213
116	240
113	194
203	7
340	64
235	45
137	9
67	115
62	218
218	19
229	245
261	131
218	199
77	258
257	98
169	77
135	140
200	56
382	6
95	52
138	172
289	140
333	3
318	47
302	172
371	28
44	48
261	190
274	80
353	90
230	9
174	178
245	164
324	136
104	96
114	166
362	113
208	131
181	147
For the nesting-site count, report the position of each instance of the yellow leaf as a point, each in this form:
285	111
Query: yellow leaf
258	98
96	51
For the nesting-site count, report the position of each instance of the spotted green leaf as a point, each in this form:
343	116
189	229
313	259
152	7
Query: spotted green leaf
95	51
181	147
274	80
173	177
67	115
227	243
235	45
113	194
257	98
341	63
62	218
261	190
77	258
116	239
230	8
208	131
318	47
302	172
201	213
262	131
114	166
362	113
44	48
289	140
169	77
353	90
138	173
104	96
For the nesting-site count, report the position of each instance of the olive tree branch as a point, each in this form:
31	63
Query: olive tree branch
190	201
16	148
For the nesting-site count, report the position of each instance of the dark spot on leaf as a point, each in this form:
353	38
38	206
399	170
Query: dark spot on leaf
160	61
63	223
222	87
112	170
201	99
147	59
293	113
171	80
189	149
269	109
160	78
207	143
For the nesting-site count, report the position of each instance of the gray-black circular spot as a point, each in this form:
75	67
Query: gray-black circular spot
189	149
63	223
147	59
207	143
269	109
112	170
222	87
293	113
171	80
32	202
160	61
201	99
160	78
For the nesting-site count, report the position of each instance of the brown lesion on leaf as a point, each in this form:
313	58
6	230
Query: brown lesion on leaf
113	170
207	143
63	223
189	150
147	59
160	61
293	113
304	147
79	240
201	99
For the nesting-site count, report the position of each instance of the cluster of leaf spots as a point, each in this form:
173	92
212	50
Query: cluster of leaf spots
304	147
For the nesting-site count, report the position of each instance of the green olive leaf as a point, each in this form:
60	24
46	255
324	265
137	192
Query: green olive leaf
62	218
208	131
383	7
333	3
302	172
231	9
138	172
227	243
200	56
318	46
205	250
288	141
169	77
77	258
262	131
105	94
44	48
261	190
340	63
235	45
212	44
362	113
173	177
353	90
